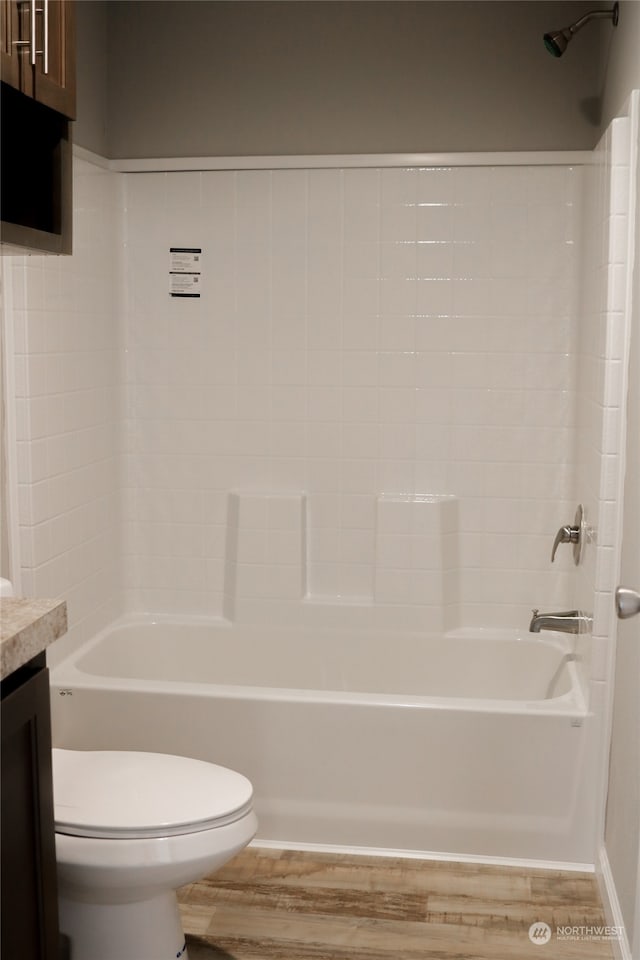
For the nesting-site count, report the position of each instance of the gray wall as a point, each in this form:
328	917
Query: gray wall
622	70
621	828
90	129
247	78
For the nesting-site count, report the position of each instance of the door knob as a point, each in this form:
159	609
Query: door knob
568	534
627	603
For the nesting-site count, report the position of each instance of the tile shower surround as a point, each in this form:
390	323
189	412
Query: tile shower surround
601	348
68	412
361	332
602	355
471	403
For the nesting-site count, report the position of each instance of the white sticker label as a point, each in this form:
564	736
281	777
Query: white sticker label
185	271
185	285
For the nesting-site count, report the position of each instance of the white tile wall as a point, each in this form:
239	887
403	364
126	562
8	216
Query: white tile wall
361	332
601	351
63	312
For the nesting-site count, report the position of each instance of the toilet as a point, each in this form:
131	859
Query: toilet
130	829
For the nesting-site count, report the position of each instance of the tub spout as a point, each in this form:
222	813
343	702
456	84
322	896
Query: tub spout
567	621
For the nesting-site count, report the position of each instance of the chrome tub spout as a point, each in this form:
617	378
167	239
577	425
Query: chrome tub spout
566	621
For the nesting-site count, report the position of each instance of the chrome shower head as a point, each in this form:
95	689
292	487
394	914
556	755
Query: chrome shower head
557	41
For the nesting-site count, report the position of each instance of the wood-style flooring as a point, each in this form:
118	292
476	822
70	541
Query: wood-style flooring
289	905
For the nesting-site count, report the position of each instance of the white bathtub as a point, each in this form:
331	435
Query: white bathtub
475	745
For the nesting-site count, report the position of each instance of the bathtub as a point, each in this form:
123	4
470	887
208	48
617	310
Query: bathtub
472	744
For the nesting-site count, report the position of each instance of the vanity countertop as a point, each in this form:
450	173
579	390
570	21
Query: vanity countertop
27	627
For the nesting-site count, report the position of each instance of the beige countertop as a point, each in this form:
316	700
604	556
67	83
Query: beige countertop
27	627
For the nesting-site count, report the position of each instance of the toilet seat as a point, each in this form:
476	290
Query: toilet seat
122	795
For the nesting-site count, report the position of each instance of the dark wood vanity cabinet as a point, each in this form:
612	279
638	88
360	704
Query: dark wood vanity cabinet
28	871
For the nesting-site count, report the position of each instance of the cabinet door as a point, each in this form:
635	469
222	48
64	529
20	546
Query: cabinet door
29	887
10	50
55	77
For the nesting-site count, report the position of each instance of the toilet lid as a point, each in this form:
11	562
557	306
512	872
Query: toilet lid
119	794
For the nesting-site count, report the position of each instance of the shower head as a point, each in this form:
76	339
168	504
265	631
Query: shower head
557	41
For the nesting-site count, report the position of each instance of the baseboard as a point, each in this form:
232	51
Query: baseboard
338	849
611	904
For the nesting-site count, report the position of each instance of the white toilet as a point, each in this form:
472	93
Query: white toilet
130	829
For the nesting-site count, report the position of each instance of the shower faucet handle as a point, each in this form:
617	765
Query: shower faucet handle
571	534
564	535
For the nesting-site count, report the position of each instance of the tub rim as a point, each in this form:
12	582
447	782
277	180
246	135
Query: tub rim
66	675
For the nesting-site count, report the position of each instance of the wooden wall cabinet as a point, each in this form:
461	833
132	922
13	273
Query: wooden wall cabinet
29	928
38	103
38	51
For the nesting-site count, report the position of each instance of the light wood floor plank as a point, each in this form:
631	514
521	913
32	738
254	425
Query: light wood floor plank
290	905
